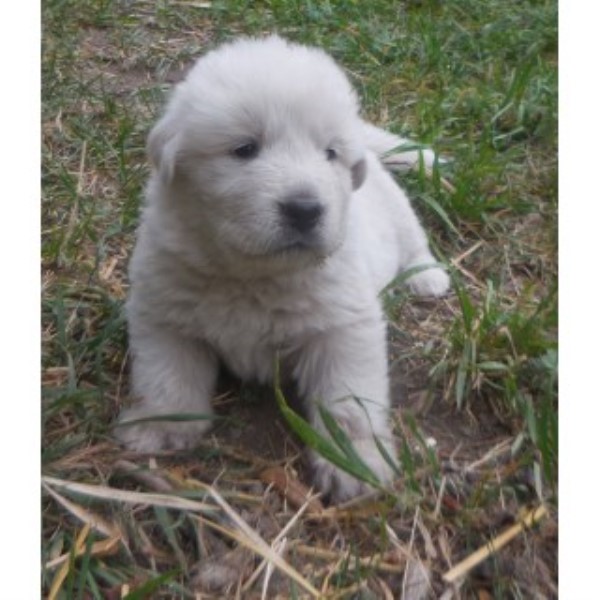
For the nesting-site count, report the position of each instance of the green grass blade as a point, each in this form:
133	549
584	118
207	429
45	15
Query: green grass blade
439	210
320	444
388	457
84	567
92	587
168	527
146	590
341	439
171	418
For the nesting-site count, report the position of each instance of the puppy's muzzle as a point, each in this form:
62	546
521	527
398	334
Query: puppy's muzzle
301	213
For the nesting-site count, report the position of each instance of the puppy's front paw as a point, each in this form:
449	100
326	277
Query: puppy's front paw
340	485
153	436
431	282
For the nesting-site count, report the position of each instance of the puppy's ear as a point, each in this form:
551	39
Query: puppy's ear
359	173
162	148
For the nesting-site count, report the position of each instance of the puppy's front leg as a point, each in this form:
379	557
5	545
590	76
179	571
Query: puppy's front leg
346	371
171	376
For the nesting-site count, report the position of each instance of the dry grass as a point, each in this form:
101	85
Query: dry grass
237	518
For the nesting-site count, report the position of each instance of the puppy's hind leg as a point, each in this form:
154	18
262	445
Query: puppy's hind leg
174	378
411	238
429	278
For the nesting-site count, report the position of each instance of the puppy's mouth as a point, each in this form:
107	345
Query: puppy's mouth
294	244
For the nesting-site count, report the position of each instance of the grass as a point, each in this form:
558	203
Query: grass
477	371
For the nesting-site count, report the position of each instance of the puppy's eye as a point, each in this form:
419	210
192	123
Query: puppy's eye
246	151
331	154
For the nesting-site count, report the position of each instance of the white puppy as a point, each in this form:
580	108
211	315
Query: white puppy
269	228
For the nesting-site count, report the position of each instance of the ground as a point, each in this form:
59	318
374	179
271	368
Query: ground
474	375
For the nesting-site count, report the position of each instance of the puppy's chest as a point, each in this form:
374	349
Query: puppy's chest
247	325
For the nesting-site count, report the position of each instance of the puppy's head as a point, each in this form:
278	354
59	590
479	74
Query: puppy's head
260	149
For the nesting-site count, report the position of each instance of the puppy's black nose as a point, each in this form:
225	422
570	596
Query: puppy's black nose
303	214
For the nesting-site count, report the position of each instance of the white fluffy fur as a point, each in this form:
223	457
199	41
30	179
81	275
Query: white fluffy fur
219	274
